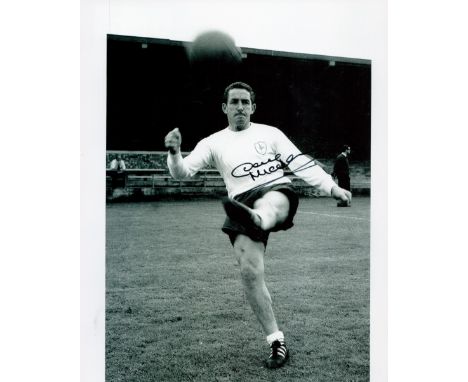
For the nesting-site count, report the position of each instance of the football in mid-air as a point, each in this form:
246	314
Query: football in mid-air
214	47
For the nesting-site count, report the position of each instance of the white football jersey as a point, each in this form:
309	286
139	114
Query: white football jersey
254	157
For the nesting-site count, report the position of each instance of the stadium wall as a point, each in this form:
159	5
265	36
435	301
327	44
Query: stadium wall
147	177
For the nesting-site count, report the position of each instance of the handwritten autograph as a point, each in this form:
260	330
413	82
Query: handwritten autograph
255	170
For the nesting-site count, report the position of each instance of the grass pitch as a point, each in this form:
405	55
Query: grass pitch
175	309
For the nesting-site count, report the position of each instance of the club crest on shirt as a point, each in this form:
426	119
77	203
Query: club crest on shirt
261	147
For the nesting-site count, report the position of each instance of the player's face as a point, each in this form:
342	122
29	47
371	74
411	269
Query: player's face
239	108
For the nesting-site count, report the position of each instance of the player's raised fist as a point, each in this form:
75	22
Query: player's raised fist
173	140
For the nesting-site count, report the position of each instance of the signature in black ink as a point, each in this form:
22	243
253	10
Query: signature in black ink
255	170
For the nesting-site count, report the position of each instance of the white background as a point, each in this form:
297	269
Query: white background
41	157
337	27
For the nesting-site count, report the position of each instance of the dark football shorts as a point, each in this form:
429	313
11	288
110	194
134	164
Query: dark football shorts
234	228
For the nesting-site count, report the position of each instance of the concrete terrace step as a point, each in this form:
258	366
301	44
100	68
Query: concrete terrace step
155	183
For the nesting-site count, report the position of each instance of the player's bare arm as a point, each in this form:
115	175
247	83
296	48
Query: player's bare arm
173	141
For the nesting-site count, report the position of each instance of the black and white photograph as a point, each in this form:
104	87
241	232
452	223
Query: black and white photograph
218	190
207	207
238	190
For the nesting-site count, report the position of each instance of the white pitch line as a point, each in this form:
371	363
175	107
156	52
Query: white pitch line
333	216
312	213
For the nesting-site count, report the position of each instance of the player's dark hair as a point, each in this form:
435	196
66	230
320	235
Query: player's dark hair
346	147
239	85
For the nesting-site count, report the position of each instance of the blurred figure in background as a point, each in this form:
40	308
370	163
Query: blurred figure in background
341	172
118	175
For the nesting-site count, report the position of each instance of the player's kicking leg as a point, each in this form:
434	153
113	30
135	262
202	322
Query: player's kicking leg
250	254
269	211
